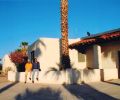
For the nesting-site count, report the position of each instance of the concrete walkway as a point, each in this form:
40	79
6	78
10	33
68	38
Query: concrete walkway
92	91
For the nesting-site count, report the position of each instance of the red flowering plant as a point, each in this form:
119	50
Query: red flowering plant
18	58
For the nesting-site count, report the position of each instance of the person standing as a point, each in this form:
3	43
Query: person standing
36	69
28	69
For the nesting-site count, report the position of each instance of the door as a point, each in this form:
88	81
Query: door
32	56
119	64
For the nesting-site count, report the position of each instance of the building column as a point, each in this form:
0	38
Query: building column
97	57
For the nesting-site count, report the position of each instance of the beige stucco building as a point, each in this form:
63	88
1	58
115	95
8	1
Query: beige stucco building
101	51
96	58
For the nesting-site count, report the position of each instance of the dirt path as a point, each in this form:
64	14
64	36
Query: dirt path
29	91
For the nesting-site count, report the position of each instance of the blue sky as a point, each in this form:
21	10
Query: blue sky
28	20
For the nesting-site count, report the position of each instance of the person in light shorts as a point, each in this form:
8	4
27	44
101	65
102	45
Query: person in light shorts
36	69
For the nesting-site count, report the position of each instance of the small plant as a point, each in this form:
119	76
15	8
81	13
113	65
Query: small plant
7	69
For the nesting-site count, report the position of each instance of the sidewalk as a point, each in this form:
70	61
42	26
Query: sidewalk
92	91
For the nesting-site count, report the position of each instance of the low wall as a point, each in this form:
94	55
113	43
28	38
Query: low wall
49	78
109	74
92	75
54	77
69	76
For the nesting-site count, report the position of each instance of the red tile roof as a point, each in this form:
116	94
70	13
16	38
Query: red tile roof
107	36
82	42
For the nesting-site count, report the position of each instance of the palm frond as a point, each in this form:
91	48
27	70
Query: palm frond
51	69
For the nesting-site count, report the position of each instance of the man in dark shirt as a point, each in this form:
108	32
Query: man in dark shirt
36	69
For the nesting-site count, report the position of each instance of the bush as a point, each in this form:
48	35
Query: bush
19	58
21	67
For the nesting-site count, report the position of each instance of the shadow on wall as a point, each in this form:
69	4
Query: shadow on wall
60	43
56	73
87	72
42	94
37	49
86	92
73	74
17	76
109	50
38	52
76	75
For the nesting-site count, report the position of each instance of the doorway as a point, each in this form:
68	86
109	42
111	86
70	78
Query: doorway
32	56
119	64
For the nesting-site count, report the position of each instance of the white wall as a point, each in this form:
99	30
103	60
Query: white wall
69	76
7	63
74	56
50	78
110	54
91	75
90	57
47	51
110	74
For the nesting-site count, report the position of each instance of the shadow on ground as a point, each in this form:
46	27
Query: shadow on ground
7	87
80	92
87	92
113	83
42	94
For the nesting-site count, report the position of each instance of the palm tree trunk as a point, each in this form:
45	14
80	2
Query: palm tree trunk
65	60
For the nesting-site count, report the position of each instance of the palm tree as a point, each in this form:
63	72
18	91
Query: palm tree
65	60
24	45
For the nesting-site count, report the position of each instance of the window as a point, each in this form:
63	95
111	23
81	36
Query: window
81	57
